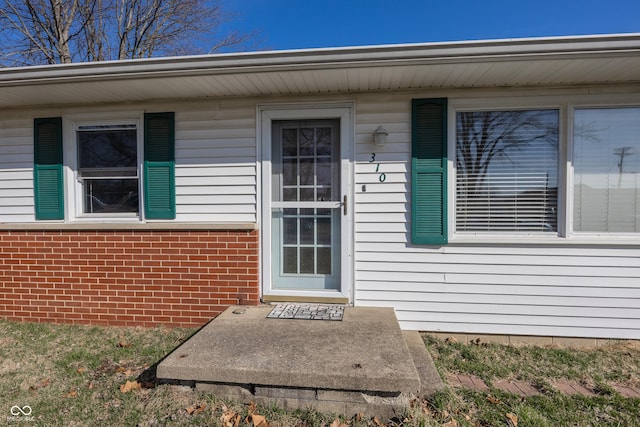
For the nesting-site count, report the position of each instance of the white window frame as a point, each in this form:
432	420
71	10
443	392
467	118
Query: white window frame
73	188
506	104
587	236
566	104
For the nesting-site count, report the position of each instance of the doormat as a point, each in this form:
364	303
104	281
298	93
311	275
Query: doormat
307	312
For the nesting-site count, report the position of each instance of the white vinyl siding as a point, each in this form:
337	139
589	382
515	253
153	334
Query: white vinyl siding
215	161
16	168
510	287
564	288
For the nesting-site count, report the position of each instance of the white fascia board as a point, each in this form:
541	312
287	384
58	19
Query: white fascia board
327	58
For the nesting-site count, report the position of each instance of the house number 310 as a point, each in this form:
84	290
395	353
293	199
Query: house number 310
383	176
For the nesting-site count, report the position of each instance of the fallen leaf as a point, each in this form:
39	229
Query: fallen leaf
426	410
124	344
230	419
196	409
512	418
129	385
259	421
358	417
251	407
81	370
72	393
120	369
452	423
338	423
451	339
493	400
90	385
377	422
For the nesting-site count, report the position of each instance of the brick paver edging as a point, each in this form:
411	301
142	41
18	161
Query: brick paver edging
524	389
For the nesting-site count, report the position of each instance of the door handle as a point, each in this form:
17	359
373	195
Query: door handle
344	205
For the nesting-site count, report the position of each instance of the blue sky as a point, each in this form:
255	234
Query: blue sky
293	24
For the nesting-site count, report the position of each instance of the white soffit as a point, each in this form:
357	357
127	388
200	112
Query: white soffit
608	59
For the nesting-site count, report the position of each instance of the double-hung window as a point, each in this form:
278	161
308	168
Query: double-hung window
108	170
105	169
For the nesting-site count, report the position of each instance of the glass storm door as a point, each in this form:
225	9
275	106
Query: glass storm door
306	206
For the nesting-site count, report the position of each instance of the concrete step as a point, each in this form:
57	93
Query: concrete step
362	364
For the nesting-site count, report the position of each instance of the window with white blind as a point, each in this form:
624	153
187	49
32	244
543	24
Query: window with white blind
507	171
606	168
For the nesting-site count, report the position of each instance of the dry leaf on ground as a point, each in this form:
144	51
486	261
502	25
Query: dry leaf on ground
512	418
493	400
338	423
196	409
230	419
259	420
452	423
72	393
129	385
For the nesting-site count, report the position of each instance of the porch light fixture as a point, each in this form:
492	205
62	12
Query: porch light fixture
380	136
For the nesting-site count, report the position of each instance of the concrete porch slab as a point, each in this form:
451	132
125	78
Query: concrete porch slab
365	359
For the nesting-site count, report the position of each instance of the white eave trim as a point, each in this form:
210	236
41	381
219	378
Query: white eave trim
329	58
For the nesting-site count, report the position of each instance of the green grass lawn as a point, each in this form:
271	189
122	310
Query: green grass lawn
71	375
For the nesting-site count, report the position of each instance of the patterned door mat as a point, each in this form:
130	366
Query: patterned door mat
307	312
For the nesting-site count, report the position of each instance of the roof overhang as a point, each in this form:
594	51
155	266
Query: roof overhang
606	59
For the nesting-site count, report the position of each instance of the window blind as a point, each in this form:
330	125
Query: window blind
507	171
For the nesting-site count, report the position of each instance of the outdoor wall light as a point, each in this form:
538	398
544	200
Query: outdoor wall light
380	136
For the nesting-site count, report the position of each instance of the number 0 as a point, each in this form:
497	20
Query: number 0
382	177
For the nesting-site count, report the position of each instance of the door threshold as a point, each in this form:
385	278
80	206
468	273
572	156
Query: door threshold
303	299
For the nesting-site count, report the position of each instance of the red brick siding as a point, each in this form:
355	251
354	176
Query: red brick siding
126	278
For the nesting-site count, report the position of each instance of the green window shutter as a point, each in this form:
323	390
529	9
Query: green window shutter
159	166
429	171
48	185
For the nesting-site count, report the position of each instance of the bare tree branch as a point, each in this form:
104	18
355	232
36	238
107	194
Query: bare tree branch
63	31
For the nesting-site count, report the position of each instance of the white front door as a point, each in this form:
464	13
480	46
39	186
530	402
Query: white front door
306	243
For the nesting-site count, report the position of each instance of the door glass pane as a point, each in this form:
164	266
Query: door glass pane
306	141
307	260
307	230
290	231
289	142
324	260
324	231
290	260
290	172
323	170
306	195
323	143
307	172
289	194
305	240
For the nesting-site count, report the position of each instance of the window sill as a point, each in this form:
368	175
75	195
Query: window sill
537	240
156	225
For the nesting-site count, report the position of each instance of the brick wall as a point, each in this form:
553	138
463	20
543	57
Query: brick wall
146	278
